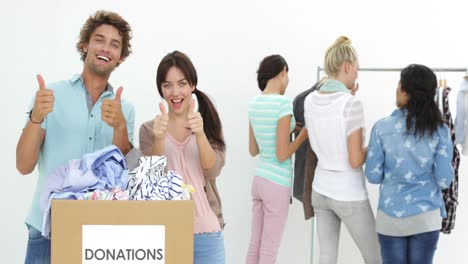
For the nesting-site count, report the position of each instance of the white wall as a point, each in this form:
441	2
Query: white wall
226	41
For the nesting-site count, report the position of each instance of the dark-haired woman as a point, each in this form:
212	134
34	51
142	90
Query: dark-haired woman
193	144
271	122
410	154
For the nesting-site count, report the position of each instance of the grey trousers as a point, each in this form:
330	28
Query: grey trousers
358	219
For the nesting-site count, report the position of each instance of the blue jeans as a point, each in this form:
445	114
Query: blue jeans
208	248
415	249
38	251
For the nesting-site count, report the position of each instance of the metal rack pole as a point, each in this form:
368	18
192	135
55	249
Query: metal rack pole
437	69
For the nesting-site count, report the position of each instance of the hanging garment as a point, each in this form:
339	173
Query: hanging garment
450	194
309	173
461	119
149	181
437	97
300	155
102	169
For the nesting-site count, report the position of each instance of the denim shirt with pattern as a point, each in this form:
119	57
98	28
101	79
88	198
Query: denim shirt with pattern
411	170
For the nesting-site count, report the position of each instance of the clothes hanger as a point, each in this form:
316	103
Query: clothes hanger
439	78
445	81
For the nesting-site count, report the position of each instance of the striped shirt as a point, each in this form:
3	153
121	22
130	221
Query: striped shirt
264	112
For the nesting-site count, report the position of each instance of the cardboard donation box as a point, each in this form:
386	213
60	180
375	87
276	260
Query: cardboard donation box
122	232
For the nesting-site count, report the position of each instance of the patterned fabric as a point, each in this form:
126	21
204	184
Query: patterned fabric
450	194
104	194
411	170
150	181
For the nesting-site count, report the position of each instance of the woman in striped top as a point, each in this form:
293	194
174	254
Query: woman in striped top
271	123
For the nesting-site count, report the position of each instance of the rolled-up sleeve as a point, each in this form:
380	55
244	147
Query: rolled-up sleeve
215	171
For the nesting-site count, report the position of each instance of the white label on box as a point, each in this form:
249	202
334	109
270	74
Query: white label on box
123	244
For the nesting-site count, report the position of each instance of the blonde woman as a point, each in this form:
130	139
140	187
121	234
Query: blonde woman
334	119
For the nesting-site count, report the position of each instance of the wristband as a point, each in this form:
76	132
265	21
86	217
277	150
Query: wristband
30	119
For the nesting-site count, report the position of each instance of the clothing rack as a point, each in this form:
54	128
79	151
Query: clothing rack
320	69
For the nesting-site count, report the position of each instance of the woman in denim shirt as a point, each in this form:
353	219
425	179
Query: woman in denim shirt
410	155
